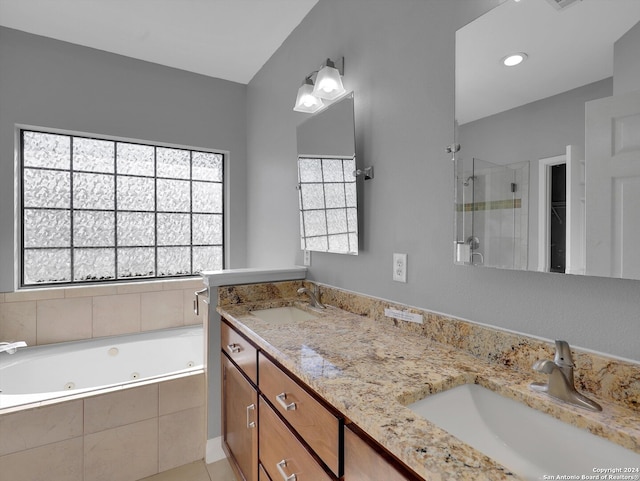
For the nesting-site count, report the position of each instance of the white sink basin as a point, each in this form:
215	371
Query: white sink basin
530	443
283	315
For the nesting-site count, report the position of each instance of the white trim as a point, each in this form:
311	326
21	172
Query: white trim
227	277
543	208
214	450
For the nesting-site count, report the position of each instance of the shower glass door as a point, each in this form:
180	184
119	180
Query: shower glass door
492	214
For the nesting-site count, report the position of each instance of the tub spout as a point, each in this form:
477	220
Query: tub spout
11	347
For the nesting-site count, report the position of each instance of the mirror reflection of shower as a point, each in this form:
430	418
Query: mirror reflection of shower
491	213
470	179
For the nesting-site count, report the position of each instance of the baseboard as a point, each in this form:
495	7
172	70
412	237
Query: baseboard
214	450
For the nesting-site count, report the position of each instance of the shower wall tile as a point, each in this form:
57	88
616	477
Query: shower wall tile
60	461
64	320
187	426
18	321
180	394
162	310
119	408
28	429
105	451
117	314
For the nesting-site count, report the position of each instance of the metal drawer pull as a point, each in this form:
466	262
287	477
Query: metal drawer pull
281	400
234	348
250	424
281	465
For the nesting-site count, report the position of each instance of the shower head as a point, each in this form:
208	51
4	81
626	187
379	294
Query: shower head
469	180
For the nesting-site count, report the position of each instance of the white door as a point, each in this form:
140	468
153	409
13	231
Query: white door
612	171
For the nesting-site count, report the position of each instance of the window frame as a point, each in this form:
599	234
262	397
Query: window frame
20	208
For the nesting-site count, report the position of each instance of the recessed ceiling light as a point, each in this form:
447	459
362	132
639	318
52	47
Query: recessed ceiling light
514	59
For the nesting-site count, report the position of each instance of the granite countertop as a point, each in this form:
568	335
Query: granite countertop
370	370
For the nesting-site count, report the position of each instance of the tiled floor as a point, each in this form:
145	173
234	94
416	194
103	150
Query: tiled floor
198	471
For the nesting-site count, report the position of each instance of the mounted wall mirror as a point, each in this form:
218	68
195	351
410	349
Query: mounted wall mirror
326	181
547	177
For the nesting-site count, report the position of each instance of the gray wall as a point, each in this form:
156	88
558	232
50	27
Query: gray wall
399	60
48	83
626	62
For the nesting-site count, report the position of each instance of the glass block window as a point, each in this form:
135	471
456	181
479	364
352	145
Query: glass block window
106	210
328	207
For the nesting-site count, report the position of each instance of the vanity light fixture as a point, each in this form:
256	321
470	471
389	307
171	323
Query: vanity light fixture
329	82
325	83
306	101
514	59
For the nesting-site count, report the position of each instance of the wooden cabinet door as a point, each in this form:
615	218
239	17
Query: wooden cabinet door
240	420
363	463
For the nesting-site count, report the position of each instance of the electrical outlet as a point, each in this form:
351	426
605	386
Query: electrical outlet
400	267
306	258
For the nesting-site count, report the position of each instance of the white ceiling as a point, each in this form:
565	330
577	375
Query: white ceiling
567	49
227	39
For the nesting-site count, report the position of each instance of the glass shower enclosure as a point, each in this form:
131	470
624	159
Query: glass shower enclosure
491	213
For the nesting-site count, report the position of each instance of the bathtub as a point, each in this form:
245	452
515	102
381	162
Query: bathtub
36	375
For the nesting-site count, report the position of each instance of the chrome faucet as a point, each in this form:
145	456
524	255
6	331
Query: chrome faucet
11	347
314	299
561	383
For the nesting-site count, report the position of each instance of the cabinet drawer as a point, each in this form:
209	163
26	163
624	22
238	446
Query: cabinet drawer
319	427
281	454
239	350
362	462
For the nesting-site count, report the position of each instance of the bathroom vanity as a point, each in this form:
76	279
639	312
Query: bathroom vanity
300	433
326	397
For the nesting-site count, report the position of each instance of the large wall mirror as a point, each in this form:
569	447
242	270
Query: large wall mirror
326	180
547	177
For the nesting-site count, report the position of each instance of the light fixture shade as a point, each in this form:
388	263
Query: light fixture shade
328	82
306	101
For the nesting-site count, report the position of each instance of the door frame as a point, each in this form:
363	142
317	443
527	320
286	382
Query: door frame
544	203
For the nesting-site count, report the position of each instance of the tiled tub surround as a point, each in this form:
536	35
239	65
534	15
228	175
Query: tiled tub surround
119	436
370	367
123	435
58	314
